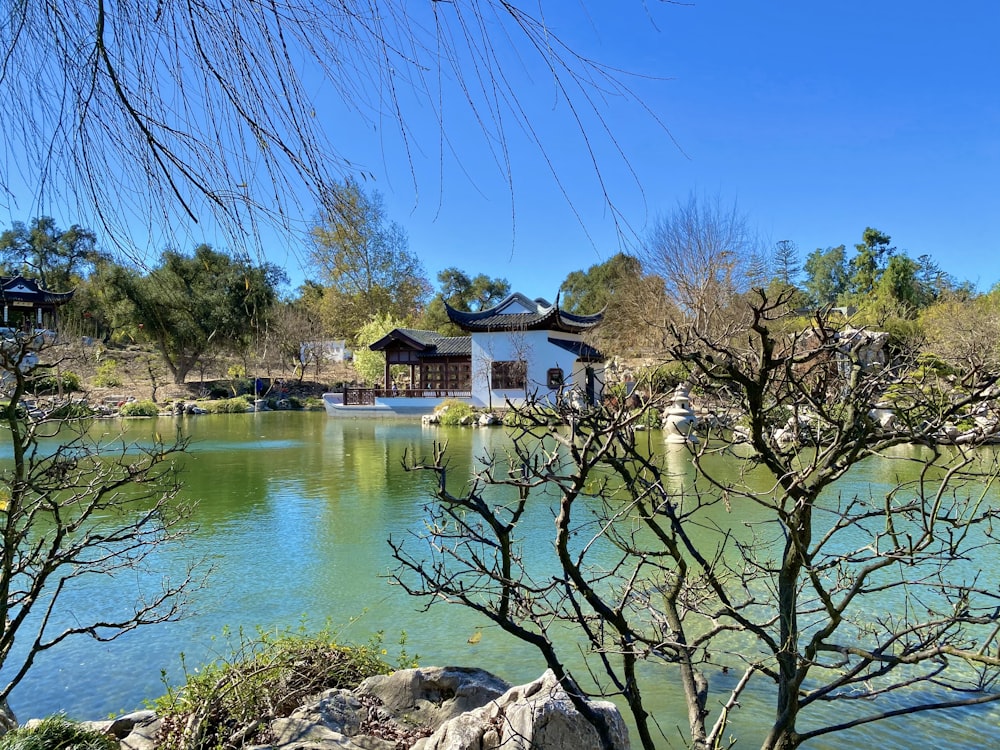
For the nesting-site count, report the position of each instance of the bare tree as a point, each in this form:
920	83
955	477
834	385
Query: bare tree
186	112
707	255
770	573
72	510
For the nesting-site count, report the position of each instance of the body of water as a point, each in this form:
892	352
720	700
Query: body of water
293	512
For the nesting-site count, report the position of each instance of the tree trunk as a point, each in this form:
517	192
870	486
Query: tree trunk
7	719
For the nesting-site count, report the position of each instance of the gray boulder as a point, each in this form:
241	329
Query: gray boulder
536	716
433	695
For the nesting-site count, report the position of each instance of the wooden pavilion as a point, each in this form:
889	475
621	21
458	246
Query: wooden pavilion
28	307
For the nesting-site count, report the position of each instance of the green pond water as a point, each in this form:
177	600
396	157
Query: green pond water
293	513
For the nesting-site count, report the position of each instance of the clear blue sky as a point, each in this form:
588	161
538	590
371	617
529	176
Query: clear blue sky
818	119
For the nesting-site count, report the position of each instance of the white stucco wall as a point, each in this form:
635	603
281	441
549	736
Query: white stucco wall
535	349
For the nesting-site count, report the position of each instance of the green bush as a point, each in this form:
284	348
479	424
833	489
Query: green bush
144	408
45	380
107	374
57	733
218	391
236	405
452	412
72	410
270	674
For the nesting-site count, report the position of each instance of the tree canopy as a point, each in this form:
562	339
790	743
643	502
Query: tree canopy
41	250
461	292
188	303
364	260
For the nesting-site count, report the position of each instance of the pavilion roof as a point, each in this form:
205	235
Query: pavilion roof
425	343
518	313
23	289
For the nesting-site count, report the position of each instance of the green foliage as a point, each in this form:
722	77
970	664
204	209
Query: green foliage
107	374
826	275
663	378
590	291
46	380
369	365
72	410
56	257
452	412
364	259
236	405
189	303
217	390
269	674
461	293
57	733
144	408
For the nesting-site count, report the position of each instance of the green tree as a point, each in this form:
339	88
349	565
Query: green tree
461	292
786	262
56	257
364	260
826	275
598	287
369	365
188	304
869	262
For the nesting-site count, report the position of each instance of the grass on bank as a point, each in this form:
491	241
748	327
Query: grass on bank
228	702
57	733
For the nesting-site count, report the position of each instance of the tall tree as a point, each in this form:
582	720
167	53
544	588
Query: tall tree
364	259
595	289
461	292
826	275
786	262
707	255
190	303
56	257
870	259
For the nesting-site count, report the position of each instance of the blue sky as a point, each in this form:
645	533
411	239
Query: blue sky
817	119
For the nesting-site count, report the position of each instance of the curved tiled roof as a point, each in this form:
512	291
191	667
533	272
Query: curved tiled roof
426	343
518	313
20	288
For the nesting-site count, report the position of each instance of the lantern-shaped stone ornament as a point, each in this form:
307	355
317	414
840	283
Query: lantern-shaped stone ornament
679	419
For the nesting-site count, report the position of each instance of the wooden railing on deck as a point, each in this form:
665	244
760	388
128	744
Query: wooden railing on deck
367	396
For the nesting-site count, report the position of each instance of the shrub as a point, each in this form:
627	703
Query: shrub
218	391
72	410
266	675
144	408
55	733
236	405
107	374
452	412
46	380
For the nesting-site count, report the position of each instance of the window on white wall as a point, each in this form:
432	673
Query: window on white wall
509	374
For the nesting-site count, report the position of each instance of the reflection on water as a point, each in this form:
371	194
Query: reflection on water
294	511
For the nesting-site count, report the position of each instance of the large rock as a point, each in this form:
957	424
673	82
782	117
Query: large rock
537	716
433	695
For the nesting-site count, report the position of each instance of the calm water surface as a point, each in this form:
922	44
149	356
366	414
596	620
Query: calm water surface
294	510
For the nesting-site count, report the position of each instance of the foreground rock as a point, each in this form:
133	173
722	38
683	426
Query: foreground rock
436	708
